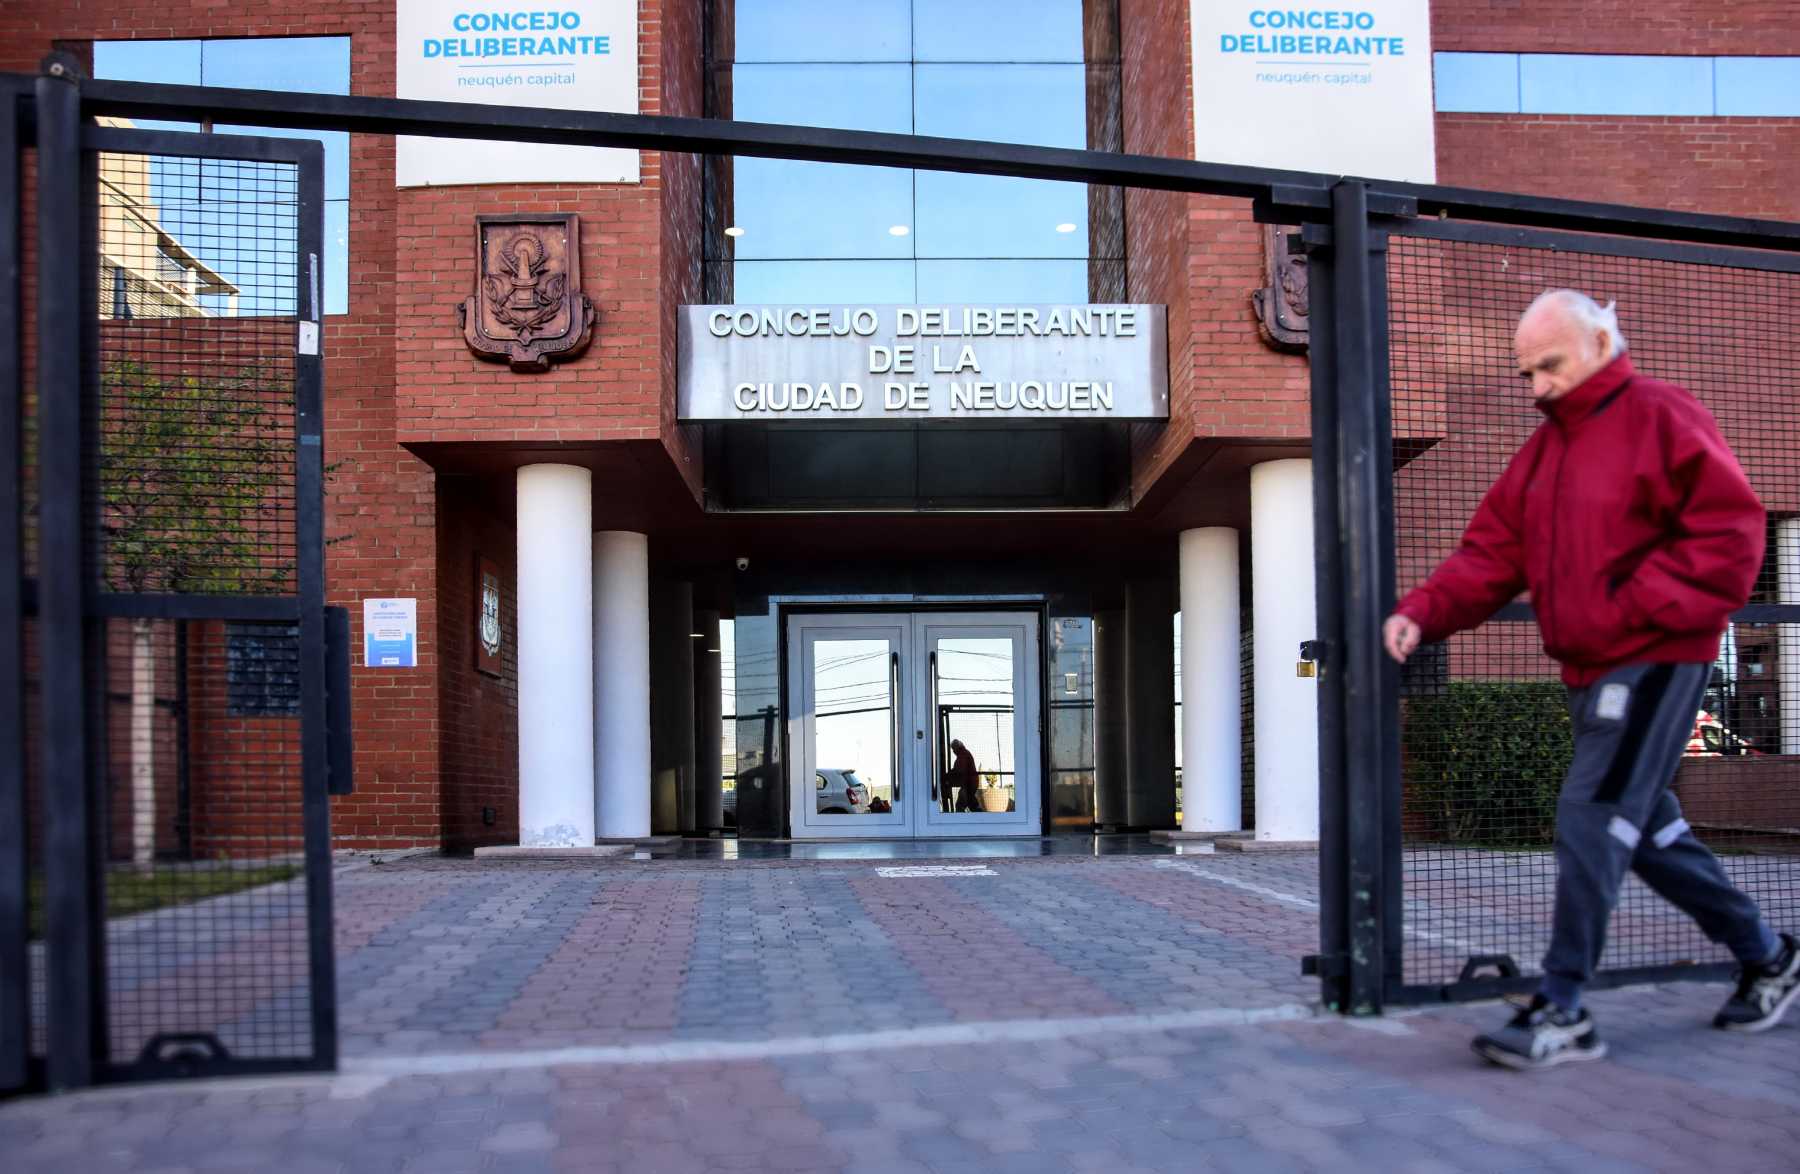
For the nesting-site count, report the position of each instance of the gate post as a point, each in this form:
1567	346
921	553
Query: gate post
74	928
1358	715
15	983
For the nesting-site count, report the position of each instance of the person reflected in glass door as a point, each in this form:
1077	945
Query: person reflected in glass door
963	776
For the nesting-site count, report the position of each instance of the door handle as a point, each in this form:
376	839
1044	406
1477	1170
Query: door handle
894	703
934	725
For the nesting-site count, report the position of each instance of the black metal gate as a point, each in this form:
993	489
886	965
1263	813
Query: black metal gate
1439	783
166	903
243	627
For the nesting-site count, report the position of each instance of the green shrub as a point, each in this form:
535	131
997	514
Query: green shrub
1483	762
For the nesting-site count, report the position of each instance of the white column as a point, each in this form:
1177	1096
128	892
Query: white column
622	684
1287	705
1787	586
556	657
1211	693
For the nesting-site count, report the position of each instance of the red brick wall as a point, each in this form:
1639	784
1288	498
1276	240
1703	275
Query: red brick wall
1735	166
398	373
1156	222
1616	26
1200	255
479	713
615	391
245	770
682	93
1730	166
379	507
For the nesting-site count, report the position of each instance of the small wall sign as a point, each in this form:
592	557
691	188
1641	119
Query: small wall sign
390	633
488	634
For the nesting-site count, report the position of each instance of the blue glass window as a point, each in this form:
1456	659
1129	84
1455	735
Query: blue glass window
997	30
313	65
1573	83
1001	70
169	63
1000	216
823	30
1477	83
1758	87
1590	83
1003	281
811	282
786	209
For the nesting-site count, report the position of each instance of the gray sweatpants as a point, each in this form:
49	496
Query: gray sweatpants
1616	812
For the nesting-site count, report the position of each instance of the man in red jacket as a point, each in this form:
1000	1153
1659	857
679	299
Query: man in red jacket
1638	535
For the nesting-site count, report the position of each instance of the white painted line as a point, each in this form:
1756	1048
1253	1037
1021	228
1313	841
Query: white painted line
1012	1031
899	870
1424	935
1234	882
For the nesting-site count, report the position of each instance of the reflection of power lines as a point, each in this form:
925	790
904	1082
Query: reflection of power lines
823	713
953	654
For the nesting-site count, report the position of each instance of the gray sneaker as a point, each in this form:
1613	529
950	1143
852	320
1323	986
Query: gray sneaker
1764	993
1542	1035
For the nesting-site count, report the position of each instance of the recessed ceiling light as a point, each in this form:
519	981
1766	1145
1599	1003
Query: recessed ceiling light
1065	227
734	230
899	230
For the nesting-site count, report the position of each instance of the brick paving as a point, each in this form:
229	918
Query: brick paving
1113	1013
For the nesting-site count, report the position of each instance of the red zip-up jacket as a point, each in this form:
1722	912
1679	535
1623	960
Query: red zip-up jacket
1628	518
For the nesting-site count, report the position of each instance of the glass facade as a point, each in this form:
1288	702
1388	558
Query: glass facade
306	65
1043	73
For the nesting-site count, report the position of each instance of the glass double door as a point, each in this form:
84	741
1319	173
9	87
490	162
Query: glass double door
921	724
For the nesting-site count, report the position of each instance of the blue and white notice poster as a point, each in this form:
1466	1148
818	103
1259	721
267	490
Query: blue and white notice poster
390	633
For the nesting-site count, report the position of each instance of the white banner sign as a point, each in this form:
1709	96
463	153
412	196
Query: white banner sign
1032	362
565	55
1346	91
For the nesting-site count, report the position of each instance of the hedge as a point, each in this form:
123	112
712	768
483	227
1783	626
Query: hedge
1484	760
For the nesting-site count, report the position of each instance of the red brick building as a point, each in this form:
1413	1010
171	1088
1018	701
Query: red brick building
1051	552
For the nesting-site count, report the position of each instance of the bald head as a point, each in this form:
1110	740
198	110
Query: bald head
1564	336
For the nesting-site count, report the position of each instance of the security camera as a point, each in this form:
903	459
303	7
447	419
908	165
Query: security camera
743	564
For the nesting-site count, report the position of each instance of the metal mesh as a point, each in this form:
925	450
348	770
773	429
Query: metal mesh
1486	733
205	893
195	463
193	481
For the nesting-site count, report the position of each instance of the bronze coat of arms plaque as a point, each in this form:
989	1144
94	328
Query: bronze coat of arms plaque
1284	305
528	309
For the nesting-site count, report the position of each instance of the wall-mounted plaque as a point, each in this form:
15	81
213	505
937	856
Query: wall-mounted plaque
488	633
527	309
1283	306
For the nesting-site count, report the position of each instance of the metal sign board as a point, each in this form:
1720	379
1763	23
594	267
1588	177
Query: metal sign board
901	362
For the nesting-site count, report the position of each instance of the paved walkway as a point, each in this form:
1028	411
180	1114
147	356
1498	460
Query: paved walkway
1043	1015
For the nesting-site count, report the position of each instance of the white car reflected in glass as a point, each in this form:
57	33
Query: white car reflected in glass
839	792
